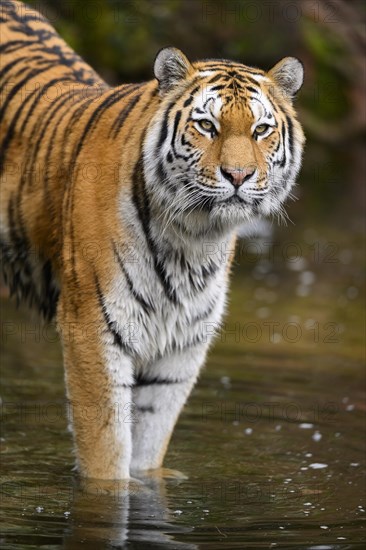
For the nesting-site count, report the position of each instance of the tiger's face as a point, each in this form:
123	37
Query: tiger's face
226	145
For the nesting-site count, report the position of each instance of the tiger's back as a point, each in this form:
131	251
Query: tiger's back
51	102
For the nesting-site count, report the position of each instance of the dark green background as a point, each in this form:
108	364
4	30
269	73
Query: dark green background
120	39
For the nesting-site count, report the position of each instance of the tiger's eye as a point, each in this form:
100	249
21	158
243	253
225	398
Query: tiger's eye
206	125
261	129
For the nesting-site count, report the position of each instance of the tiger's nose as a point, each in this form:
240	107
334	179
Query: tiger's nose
237	176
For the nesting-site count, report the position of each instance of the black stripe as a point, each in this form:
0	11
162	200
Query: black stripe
10	131
110	100
153	94
219	87
31	157
203	316
17	87
185	141
217	77
18	45
37	100
11	128
188	101
164	126
178	116
118	123
290	134
111	325
145	305
271	98
139	196
252	90
141	202
10	65
140	380
249	79
144	409
38	17
217	64
282	162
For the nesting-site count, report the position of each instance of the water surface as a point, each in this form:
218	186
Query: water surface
271	440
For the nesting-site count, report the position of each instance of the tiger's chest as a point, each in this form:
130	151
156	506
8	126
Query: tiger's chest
167	306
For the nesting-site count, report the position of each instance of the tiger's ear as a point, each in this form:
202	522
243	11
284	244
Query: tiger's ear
170	67
288	74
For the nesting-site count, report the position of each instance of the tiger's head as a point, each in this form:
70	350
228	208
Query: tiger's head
225	145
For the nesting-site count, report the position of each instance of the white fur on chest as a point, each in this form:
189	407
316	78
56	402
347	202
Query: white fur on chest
166	327
152	324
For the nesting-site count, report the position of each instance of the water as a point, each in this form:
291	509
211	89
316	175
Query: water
270	441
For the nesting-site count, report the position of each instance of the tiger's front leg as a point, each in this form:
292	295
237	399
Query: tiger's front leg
99	377
158	397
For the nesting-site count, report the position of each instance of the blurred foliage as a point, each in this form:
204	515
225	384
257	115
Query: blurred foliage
120	39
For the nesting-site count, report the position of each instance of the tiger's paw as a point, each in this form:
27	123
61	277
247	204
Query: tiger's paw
159	473
110	487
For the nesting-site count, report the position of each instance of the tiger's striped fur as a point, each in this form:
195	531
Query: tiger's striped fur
119	208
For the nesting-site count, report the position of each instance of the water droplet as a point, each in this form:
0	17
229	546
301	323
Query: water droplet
310	324
296	263
263	312
345	256
302	291
316	436
318	466
306	426
307	278
248	431
276	338
294	319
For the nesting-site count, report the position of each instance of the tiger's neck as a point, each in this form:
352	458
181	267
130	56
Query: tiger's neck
185	263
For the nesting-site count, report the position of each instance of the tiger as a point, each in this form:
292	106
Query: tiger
120	208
